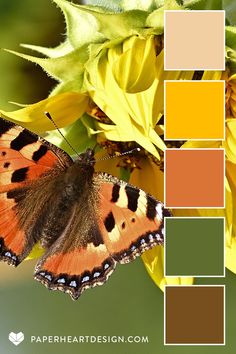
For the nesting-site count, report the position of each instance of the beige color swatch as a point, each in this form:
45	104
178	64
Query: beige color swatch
194	40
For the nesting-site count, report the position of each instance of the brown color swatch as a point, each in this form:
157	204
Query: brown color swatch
194	178
194	314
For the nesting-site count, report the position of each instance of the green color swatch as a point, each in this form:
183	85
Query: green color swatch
194	246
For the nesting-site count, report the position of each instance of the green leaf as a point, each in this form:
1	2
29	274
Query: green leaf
63	49
89	123
66	68
203	4
112	5
231	60
230	7
146	5
94	25
82	25
156	18
124	174
121	25
69	86
230	37
159	3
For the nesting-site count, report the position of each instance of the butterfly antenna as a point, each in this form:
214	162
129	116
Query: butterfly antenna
120	154
47	114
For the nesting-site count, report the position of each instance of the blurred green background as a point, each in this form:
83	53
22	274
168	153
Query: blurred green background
129	303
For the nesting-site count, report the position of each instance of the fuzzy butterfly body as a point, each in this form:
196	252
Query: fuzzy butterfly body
87	222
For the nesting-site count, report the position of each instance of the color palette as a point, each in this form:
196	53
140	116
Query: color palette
194	110
194	246
194	178
194	40
195	315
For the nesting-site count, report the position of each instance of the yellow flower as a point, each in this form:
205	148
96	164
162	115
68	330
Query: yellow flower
134	104
230	95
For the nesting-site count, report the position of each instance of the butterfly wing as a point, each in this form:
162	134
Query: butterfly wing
24	158
132	221
114	222
78	259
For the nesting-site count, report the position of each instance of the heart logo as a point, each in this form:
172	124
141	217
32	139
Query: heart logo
16	338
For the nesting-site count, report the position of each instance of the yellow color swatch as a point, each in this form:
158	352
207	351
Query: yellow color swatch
194	110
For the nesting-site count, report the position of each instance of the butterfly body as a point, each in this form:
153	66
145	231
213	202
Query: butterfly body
87	222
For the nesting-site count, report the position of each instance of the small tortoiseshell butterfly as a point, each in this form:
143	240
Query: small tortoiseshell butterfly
86	221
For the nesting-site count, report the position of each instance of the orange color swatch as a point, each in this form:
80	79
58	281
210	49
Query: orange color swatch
194	178
194	110
194	40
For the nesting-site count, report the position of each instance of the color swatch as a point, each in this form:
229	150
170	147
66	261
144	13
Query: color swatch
194	40
194	178
194	110
194	246
194	315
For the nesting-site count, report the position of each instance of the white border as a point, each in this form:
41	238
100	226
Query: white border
193	69
192	207
194	139
193	344
199	218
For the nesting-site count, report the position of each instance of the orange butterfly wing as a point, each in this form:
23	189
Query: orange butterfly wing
24	157
131	220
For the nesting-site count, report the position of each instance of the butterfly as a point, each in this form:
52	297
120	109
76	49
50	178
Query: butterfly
86	221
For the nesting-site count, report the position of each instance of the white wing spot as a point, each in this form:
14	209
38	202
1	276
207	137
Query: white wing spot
150	237
73	283
96	274
61	280
85	279
159	211
49	277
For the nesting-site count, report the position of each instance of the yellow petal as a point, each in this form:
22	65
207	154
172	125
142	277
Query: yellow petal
230	254
200	144
212	75
231	234
36	252
230	143
231	202
64	108
150	178
134	68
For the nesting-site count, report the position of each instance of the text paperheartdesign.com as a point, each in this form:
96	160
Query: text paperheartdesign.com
89	339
